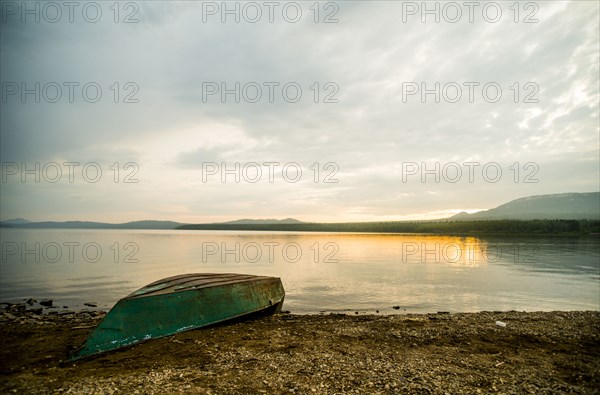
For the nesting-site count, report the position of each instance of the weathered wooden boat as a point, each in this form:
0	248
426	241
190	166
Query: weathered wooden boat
182	303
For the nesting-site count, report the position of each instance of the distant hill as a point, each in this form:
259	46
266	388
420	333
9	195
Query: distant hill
568	213
263	221
556	206
149	224
16	221
574	213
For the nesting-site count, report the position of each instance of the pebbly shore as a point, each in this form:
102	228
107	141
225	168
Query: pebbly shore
535	352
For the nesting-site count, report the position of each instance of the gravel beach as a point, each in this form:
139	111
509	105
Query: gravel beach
536	352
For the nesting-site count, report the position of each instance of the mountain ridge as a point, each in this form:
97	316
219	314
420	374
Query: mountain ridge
142	224
570	205
562	206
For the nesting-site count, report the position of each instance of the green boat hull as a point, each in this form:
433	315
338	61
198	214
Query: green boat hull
179	304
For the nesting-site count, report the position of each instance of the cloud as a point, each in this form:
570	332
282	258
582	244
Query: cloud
171	57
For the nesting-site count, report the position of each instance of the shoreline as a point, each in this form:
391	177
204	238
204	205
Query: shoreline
537	352
30	306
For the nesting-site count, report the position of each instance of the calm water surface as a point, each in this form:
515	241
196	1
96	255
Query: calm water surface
320	271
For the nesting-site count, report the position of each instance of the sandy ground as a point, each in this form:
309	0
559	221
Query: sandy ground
549	352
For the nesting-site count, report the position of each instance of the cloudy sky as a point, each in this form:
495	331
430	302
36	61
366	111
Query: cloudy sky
153	104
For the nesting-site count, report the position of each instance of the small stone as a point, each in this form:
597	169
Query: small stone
66	312
396	307
46	302
91	304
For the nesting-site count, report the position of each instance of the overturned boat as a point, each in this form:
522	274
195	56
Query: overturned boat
181	303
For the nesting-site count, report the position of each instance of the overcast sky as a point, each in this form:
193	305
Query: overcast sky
368	135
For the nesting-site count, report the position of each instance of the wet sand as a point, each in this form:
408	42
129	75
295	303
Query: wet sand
543	352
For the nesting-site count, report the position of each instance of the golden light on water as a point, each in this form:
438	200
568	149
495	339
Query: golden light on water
426	249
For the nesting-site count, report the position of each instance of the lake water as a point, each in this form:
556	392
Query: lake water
320	271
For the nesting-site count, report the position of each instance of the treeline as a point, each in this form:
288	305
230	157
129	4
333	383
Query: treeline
542	227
